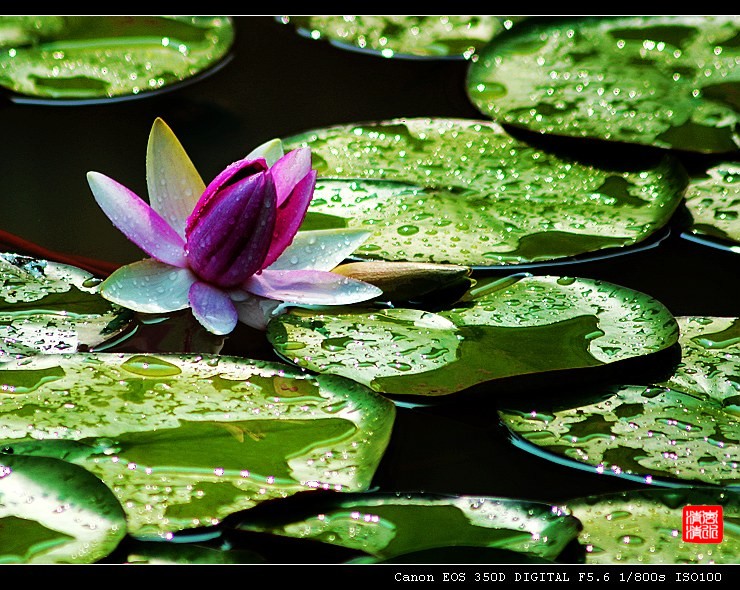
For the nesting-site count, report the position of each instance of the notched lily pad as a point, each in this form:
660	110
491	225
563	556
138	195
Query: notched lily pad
404	36
465	192
390	525
184	440
684	428
515	326
665	81
85	57
46	307
646	527
52	512
714	204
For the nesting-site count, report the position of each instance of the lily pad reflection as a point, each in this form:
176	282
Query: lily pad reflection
184	440
515	326
465	192
685	428
665	81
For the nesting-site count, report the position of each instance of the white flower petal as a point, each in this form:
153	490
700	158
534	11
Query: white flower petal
255	311
312	287
271	151
320	249
173	182
149	286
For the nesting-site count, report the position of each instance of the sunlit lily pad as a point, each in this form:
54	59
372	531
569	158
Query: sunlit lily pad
646	527
184	440
87	57
515	326
55	512
50	308
665	81
465	192
402	35
684	428
388	525
714	204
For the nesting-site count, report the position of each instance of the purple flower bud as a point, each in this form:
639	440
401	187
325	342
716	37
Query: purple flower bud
230	230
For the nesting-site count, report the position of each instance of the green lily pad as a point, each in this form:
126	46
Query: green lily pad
714	204
84	57
664	81
646	527
465	192
684	428
52	512
388	525
515	326
46	307
158	553
401	35
184	440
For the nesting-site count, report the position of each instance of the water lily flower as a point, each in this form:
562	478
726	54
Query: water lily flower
231	251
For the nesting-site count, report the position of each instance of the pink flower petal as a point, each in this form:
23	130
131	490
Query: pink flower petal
289	170
137	220
173	183
213	308
149	286
290	215
310	287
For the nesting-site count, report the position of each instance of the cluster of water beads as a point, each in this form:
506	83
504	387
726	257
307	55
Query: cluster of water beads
714	203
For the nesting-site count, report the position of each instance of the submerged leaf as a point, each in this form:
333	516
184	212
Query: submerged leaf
402	35
389	525
185	440
714	204
685	428
465	192
646	527
665	81
46	307
516	326
84	57
52	512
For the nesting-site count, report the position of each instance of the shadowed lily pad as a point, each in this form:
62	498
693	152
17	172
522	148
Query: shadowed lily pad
401	35
46	307
184	440
52	512
465	192
665	81
646	527
91	57
684	428
389	525
714	204
515	326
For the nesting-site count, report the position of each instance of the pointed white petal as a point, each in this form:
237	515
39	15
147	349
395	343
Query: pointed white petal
271	151
312	287
149	286
255	311
320	249
173	182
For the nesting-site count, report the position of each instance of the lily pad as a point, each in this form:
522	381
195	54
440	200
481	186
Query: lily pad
515	326
465	192
158	553
388	525
184	440
664	81
52	512
714	204
684	428
646	527
46	307
401	35
88	57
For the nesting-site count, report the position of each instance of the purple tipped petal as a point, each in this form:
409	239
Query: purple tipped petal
149	286
137	220
290	215
310	287
212	308
173	183
289	170
230	238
